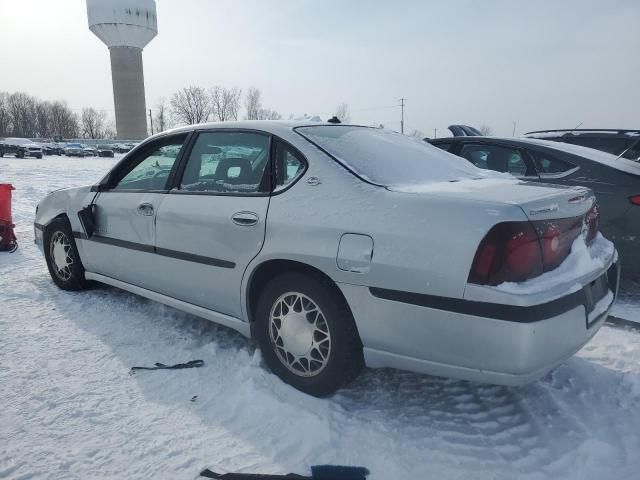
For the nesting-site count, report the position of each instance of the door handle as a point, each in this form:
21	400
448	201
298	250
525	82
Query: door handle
145	209
245	219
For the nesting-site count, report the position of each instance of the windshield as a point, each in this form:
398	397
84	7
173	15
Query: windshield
387	158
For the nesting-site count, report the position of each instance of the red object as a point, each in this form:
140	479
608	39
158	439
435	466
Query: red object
8	239
635	199
518	251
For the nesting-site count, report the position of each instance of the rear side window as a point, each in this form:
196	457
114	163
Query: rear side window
494	157
548	165
227	162
612	145
289	165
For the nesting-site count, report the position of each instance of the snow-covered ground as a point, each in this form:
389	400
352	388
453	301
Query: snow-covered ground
70	410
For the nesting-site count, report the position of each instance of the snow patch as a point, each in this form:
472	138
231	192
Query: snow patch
582	261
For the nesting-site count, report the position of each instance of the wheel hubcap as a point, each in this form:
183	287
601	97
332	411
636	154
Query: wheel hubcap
62	259
300	334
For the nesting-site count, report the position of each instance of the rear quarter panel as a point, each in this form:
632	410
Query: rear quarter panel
422	244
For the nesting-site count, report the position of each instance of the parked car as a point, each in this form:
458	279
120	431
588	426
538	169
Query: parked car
337	246
615	181
617	142
21	148
74	150
52	149
122	147
105	151
89	151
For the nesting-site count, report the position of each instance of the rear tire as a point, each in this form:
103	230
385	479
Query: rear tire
307	334
61	254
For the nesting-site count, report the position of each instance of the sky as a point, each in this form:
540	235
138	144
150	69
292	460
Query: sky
543	64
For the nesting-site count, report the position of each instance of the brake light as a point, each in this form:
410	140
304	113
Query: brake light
592	219
510	252
518	251
635	200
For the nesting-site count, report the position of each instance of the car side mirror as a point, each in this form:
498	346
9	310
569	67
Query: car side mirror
98	187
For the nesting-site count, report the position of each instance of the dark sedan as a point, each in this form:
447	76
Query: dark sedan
616	181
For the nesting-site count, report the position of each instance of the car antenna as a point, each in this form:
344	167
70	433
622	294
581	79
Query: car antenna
631	147
334	119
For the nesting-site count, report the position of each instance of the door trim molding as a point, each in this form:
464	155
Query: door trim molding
164	252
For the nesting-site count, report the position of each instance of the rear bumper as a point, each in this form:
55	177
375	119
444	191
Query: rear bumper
478	347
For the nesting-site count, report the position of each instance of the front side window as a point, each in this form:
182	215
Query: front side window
547	165
387	158
494	157
288	163
227	162
151	168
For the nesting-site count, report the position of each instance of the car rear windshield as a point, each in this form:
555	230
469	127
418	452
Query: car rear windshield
387	158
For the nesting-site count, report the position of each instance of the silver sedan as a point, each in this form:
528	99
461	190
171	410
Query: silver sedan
339	246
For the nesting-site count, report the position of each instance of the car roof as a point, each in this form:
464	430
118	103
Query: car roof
271	126
599	132
598	156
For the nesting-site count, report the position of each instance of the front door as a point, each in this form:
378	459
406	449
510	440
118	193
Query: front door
213	223
123	244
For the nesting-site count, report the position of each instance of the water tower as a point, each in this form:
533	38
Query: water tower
126	27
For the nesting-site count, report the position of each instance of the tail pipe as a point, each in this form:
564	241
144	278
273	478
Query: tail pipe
8	241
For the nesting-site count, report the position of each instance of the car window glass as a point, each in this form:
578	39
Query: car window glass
289	164
548	165
612	145
493	157
153	167
227	162
443	145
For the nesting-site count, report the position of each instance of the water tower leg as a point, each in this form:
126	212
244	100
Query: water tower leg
128	92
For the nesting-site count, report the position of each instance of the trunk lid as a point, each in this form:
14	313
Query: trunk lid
539	201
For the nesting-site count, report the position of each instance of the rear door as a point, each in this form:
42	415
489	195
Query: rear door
212	224
125	211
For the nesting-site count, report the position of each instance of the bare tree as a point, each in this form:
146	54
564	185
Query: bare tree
161	115
109	129
43	119
252	103
486	130
417	134
225	103
5	118
191	105
268	114
64	123
342	112
93	122
21	108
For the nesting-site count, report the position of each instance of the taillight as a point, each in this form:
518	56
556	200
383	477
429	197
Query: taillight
518	251
592	219
510	252
635	200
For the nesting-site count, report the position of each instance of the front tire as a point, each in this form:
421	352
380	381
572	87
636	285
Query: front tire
307	334
61	254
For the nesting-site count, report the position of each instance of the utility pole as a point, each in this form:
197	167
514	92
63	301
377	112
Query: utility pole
402	118
151	120
435	133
